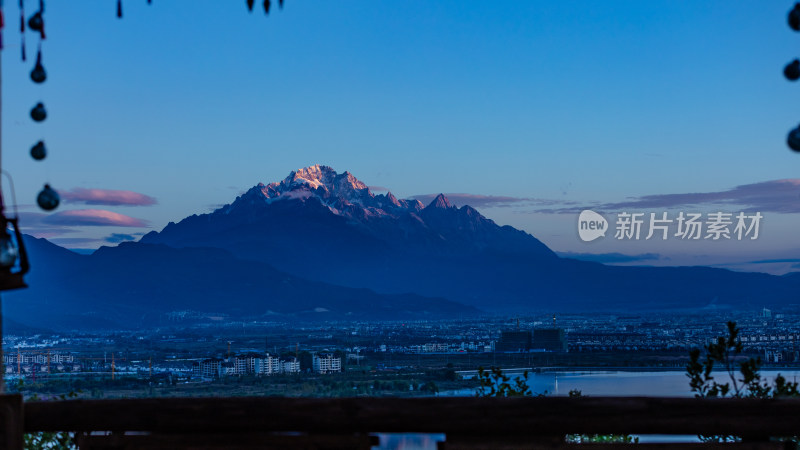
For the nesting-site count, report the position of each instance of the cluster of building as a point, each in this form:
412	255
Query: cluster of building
776	347
445	347
39	362
538	339
776	336
772	335
262	364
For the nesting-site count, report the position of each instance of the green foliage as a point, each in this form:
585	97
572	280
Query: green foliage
430	386
743	377
725	353
49	440
601	439
598	438
495	383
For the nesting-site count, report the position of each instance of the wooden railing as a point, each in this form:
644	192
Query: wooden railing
492	423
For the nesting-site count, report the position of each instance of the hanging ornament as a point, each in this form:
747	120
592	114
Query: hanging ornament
794	17
267	4
38	151
250	4
36	22
792	70
280	4
22	27
119	9
21	17
48	198
793	140
38	113
38	74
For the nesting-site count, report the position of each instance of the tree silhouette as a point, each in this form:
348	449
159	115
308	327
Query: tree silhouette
744	379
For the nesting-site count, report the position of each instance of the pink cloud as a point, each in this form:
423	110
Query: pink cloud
109	197
778	196
93	217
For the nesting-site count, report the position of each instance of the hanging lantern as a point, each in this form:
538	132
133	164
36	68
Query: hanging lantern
119	9
38	74
793	140
267	4
48	198
250	4
38	151
794	17
10	252
38	113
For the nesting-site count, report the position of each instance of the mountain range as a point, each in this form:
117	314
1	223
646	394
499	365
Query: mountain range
135	285
319	244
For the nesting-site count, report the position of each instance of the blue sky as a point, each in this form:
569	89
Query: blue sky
576	103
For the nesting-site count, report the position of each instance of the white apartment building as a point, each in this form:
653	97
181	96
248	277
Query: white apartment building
327	363
291	365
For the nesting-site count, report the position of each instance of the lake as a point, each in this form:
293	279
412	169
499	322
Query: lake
624	383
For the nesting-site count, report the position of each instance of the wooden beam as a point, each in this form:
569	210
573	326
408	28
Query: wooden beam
11	422
545	416
239	441
664	446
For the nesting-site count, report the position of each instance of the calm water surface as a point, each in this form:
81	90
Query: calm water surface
640	383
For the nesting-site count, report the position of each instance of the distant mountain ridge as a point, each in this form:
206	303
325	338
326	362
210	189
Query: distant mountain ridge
143	285
326	226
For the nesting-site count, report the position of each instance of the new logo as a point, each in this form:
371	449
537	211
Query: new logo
591	225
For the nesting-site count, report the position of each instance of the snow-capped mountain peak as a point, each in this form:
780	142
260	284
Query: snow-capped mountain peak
325	177
342	193
318	181
319	177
